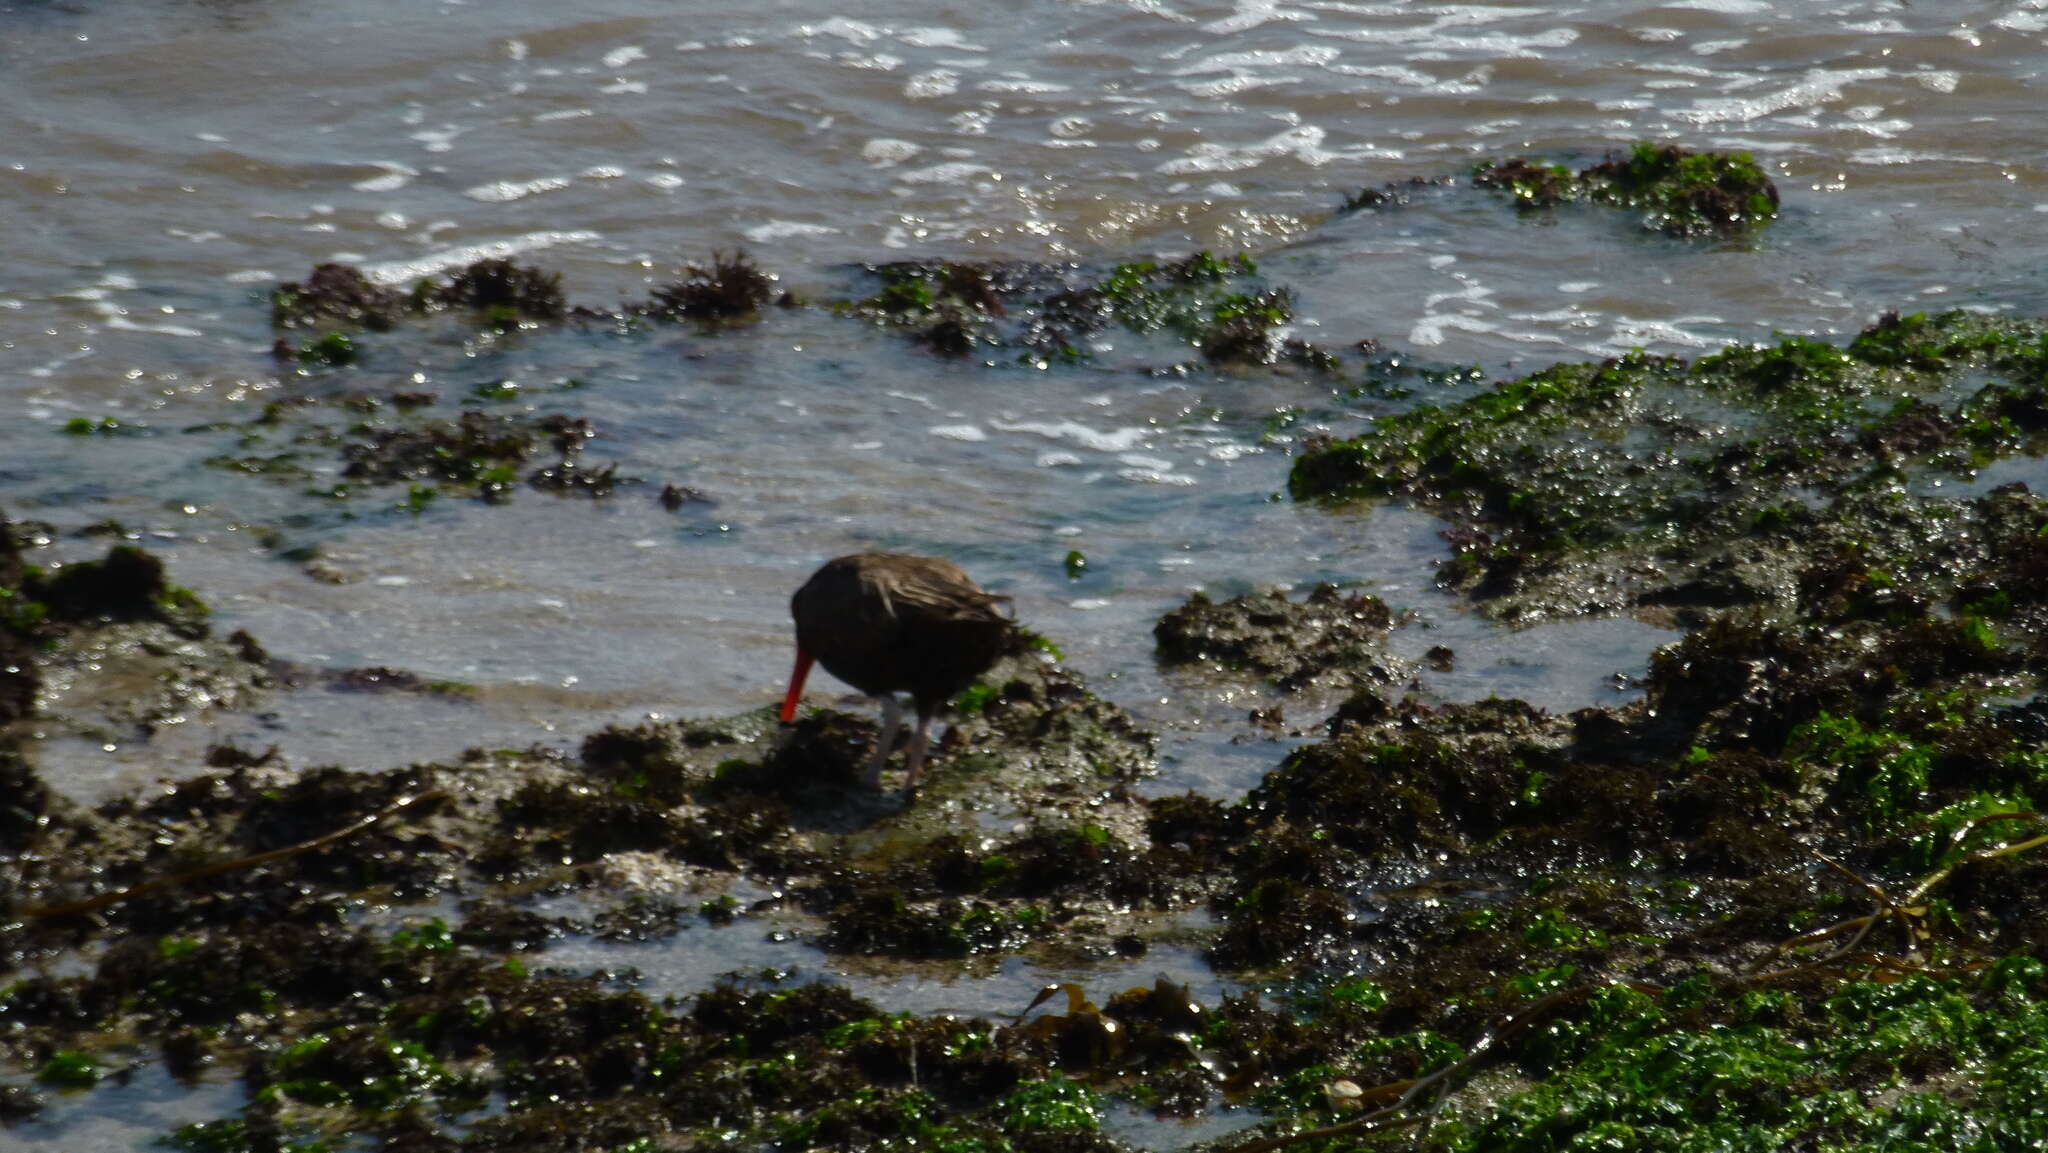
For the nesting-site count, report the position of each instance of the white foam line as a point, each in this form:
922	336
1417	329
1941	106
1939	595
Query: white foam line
407	271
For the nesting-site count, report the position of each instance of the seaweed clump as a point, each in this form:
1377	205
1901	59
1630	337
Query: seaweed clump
126	585
481	451
951	307
497	287
335	294
1682	192
731	287
1686	193
336	300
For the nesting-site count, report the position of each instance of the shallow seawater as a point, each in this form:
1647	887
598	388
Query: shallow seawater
614	142
127	1110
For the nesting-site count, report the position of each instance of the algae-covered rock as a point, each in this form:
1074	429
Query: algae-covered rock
1646	482
1679	191
908	877
1330	637
334	294
1686	193
1213	305
108	645
480	452
339	298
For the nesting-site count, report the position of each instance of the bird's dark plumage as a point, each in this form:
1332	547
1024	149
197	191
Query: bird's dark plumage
889	623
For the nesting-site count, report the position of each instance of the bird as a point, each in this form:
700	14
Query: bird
889	623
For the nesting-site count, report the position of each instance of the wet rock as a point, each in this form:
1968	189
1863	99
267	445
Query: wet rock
109	645
1393	194
641	918
1197	823
647	760
334	294
19	679
10	556
504	929
372	679
1244	328
18	1103
564	822
26	803
675	496
1328	637
1272	915
1532	183
1075	748
339	298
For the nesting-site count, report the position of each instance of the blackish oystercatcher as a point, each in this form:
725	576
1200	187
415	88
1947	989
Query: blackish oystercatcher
889	623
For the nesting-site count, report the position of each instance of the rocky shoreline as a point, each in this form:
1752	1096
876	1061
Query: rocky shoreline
1792	896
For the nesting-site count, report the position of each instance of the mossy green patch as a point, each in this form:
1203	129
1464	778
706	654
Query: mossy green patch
1644	462
1679	191
1910	1064
1038	313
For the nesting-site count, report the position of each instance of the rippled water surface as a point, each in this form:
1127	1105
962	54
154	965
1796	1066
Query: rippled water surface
163	163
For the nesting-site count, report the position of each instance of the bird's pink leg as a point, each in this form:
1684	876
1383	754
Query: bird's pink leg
885	742
913	754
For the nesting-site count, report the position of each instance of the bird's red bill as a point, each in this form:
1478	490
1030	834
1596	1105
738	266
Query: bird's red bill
796	685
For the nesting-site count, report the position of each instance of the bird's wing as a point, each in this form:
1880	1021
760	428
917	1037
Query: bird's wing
933	589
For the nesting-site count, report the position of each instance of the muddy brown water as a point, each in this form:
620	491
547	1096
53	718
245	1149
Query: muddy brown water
161	164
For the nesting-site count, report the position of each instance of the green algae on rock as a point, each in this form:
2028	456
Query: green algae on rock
1649	481
1037	313
1680	192
339	298
1629	888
